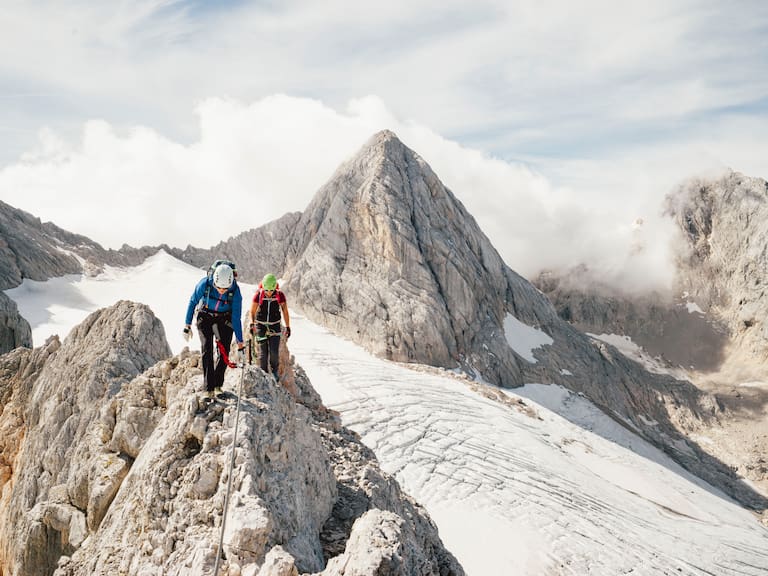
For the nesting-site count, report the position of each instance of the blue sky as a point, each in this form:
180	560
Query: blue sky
586	113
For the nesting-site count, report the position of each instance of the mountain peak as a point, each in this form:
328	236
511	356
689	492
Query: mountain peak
384	136
387	255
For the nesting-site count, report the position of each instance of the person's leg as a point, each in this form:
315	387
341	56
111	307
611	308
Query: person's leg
274	354
224	333
263	341
205	331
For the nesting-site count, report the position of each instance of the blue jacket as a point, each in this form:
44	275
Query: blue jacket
230	301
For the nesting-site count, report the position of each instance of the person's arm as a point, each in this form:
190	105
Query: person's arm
286	317
237	316
193	300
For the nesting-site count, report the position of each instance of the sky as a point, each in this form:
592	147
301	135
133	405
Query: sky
536	481
561	126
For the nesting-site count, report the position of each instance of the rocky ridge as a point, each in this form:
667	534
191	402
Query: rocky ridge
713	324
256	252
111	463
15	331
39	250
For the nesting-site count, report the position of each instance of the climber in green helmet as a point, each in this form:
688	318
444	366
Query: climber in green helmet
268	303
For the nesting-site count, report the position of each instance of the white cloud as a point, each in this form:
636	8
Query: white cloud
254	162
153	116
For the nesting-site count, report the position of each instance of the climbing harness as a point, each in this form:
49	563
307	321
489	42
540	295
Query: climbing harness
268	330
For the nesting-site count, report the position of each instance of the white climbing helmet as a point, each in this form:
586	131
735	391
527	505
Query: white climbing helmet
223	276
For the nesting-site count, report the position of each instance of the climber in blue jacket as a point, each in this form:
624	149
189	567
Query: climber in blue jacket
219	304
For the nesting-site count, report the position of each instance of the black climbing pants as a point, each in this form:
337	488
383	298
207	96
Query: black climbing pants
269	347
210	325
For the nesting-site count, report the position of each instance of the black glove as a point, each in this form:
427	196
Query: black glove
287	332
253	328
187	333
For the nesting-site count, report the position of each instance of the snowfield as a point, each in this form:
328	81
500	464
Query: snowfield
533	481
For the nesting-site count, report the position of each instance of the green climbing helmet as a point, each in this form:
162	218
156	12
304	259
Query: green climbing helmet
269	282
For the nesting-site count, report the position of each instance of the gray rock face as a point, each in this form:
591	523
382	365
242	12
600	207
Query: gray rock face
386	255
32	249
723	264
721	267
660	323
112	463
59	482
15	331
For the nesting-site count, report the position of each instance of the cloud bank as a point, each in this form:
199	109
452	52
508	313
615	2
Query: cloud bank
254	162
560	125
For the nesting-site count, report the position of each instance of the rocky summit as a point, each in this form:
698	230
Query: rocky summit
112	462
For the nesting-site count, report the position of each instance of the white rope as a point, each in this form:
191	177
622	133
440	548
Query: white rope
231	475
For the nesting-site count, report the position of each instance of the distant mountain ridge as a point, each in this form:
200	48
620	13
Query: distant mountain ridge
39	250
715	325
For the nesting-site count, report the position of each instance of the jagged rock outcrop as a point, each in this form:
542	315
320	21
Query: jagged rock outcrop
386	255
15	331
713	324
58	482
723	265
111	463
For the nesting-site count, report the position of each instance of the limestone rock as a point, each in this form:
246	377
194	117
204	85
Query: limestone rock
723	262
112	463
61	481
15	331
378	546
387	256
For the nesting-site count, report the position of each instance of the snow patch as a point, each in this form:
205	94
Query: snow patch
524	339
693	308
631	350
755	384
